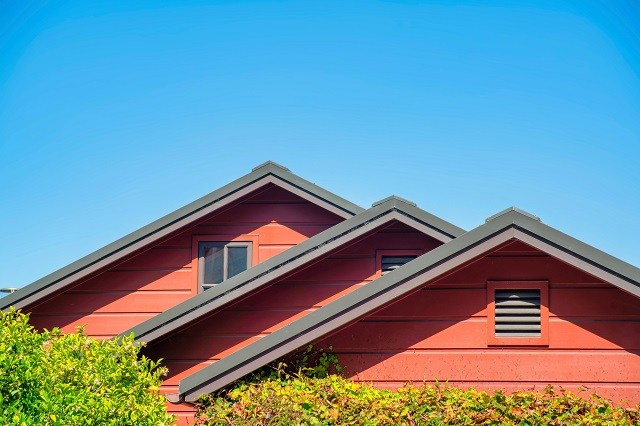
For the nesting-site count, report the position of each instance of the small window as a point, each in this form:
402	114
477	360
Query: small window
219	261
517	313
390	260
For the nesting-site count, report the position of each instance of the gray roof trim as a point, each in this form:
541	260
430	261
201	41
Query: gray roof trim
394	197
266	173
501	229
285	262
513	209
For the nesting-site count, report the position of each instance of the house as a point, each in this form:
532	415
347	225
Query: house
271	263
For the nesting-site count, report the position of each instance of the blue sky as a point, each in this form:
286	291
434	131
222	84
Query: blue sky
115	113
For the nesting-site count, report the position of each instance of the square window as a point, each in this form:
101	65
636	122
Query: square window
217	258
518	313
219	261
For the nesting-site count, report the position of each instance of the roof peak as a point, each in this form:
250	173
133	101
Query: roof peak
513	209
394	198
270	163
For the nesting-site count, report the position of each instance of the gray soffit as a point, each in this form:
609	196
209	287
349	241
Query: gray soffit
287	261
261	175
412	276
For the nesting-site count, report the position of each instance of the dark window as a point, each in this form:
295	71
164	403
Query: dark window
517	313
391	263
219	261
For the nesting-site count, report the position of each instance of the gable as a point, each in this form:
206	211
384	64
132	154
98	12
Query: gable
120	286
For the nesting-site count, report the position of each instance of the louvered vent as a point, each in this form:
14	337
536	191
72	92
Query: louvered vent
391	263
517	313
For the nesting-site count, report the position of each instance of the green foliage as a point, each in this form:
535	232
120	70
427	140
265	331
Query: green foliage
311	396
51	378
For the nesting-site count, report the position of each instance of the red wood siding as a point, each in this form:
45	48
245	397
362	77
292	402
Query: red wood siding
162	276
440	332
284	301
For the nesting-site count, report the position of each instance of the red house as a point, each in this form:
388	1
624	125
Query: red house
271	263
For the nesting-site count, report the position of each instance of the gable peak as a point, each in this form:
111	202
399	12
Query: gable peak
270	163
515	210
395	199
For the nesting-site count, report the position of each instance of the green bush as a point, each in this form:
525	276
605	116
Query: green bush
275	397
51	378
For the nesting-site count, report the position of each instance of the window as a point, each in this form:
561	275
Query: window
390	260
218	258
218	261
517	313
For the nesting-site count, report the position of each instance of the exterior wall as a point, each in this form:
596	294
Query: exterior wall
164	275
288	299
440	332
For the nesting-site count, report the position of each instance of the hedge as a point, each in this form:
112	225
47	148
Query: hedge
51	378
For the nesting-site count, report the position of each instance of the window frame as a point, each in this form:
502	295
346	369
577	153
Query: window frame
543	286
197	272
393	252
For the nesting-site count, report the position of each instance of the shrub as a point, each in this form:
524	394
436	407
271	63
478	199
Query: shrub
51	378
275	397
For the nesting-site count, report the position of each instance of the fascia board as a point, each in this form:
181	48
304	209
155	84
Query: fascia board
270	172
390	287
283	263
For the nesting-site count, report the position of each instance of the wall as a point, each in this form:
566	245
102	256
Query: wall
440	332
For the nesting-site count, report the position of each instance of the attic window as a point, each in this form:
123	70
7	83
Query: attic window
218	258
390	260
219	261
517	313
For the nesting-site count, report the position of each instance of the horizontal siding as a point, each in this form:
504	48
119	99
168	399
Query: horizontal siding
299	295
472	333
303	212
268	251
204	348
495	366
514	268
159	259
113	302
438	304
245	323
138	281
101	326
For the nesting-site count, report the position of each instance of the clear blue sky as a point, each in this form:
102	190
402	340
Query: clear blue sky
115	113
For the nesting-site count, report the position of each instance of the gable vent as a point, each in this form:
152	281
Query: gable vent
391	263
518	313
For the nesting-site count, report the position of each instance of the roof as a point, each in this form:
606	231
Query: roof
392	208
506	226
269	172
